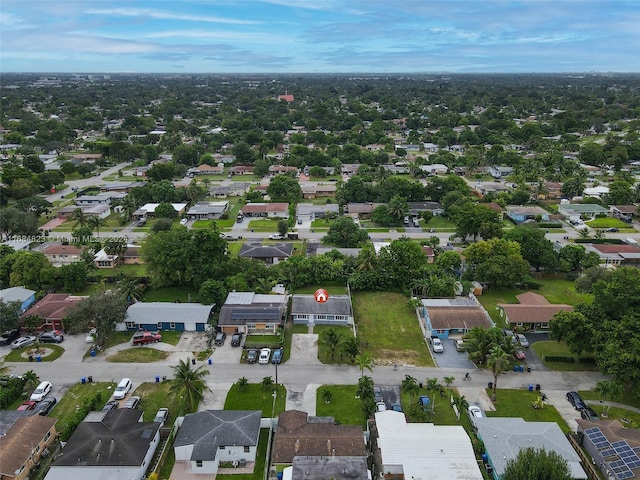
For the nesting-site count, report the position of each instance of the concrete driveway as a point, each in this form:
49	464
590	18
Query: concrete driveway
451	358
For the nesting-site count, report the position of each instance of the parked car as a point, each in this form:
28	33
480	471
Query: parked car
91	336
589	413
27	405
184	221
437	346
252	356
265	355
161	416
377	394
381	407
54	336
122	389
277	356
23	342
142	338
220	338
275	236
474	412
236	339
612	229
576	400
110	405
522	340
132	402
519	353
41	391
460	346
45	406
396	407
9	336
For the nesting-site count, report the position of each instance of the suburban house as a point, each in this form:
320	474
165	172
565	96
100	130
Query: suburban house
435	169
119	446
298	434
286	97
131	256
206	169
623	212
336	310
396	169
614	448
416	208
60	255
183	317
553	190
125	187
103	198
236	189
282	169
22	444
241	170
621	255
52	309
252	313
445	317
577	211
148	210
499	171
361	210
596	192
350	169
309	211
269	210
520	214
428	251
269	254
505	437
207	439
311	190
532	313
408	450
18	294
484	188
327	466
207	210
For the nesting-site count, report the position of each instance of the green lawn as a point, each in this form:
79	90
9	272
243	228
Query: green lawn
389	329
258	469
264	225
517	403
172	337
66	408
608	222
136	271
16	355
344	407
170	294
555	348
443	413
332	288
255	397
628	397
441	224
155	396
138	355
324	354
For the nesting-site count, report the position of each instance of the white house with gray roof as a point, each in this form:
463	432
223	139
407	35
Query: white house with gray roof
504	438
309	211
18	294
207	210
337	310
182	317
207	438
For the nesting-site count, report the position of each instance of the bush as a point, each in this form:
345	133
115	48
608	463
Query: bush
549	225
559	359
90	404
10	391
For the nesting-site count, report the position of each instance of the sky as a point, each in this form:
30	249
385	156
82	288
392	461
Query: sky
319	36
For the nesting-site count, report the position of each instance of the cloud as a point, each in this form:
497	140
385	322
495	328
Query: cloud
253	37
165	15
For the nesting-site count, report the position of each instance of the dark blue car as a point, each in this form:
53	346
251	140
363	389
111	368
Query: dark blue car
276	356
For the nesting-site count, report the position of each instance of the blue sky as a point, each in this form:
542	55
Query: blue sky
315	36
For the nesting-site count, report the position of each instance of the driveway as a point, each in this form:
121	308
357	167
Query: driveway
451	358
533	360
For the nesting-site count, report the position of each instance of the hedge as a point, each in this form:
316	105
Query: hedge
563	359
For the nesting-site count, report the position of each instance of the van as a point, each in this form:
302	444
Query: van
122	389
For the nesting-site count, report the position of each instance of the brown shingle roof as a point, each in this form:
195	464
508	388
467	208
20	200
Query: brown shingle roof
447	318
533	308
62	250
20	439
617	248
296	436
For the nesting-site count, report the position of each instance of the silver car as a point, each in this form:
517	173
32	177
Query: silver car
522	340
22	342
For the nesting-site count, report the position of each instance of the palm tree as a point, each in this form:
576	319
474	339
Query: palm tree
410	386
31	379
367	259
351	347
364	361
189	384
608	390
242	383
478	344
267	383
420	286
131	289
332	339
79	217
448	381
327	395
461	404
498	361
365	388
584	233
95	222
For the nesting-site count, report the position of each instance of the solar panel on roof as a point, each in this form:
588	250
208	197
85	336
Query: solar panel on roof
609	452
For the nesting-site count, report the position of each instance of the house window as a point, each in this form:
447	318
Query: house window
519	324
246	449
339	317
159	326
303	316
321	317
47	436
199	463
130	325
172	325
222	447
544	325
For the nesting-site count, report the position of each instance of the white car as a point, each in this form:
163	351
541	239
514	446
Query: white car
22	342
91	336
184	221
265	355
437	346
475	412
42	391
275	236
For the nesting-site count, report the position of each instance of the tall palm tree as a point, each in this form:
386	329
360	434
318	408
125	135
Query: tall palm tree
461	404
365	388
367	259
410	386
95	222
498	361
31	379
608	390
364	361
242	383
79	217
131	289
332	339
189	384
478	344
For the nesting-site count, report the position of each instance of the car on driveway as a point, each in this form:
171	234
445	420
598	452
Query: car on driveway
519	353
381	407
23	342
459	344
277	356
162	415
377	394
41	391
9	336
576	400
54	336
142	338
236	339
220	338
474	412
45	406
252	356
132	402
396	407
522	340
184	221
437	346
110	405
265	356
28	405
589	413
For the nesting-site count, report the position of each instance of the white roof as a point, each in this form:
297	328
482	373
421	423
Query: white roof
151	207
15	294
424	450
102	255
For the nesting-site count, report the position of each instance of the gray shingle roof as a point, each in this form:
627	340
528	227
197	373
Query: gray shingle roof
15	294
335	305
257	250
208	430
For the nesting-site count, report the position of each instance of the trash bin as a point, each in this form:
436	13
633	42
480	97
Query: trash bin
531	387
420	384
528	369
522	368
210	361
164	378
90	379
516	368
93	352
38	358
537	387
280	475
490	384
31	358
157	378
193	361
83	380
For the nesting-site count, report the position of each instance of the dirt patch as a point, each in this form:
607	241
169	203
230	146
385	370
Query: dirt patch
33	352
405	358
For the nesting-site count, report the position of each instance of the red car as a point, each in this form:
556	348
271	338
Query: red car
28	405
519	354
142	338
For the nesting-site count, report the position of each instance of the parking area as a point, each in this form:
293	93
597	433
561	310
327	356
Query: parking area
390	394
451	358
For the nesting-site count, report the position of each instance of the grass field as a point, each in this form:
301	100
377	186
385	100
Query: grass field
155	396
136	271
332	288
555	348
255	397
608	222
169	294
138	355
67	407
344	407
627	398
264	225
17	355
324	354
389	329
517	403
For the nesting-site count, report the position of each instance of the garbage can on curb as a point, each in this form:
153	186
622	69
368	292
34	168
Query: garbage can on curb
531	387
490	384
193	361
528	369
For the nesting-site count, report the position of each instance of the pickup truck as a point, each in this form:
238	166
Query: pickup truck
142	338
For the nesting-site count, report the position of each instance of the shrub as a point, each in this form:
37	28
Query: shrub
10	391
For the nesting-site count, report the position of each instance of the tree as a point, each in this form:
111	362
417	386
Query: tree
283	227
261	168
16	222
498	361
101	310
242	383
212	292
35	205
115	246
470	221
532	464
608	390
23	188
95	222
332	339
9	315
364	362
130	288
345	233
410	385
189	385
402	261
327	395
74	276
79	218
284	188
461	404
534	247
268	384
31	379
367	260
351	347
165	210
398	208
574	329
497	261
27	268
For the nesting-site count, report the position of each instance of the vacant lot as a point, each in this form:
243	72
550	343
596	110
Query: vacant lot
389	329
